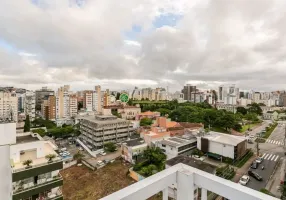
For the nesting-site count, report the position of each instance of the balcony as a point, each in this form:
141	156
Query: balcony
26	191
186	180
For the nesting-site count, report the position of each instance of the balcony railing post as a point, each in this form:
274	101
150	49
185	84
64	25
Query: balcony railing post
165	194
204	194
185	185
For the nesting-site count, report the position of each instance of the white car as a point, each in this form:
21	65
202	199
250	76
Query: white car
102	153
259	159
244	180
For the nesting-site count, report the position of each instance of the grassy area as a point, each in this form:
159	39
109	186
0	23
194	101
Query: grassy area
270	130
245	127
218	129
244	159
85	184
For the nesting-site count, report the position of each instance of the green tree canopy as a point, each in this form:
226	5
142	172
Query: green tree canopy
241	110
27	125
109	147
255	108
145	122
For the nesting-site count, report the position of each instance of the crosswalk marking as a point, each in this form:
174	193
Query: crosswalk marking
276	158
270	157
276	142
266	156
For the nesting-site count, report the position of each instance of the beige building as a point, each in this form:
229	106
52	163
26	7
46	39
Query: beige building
8	105
73	105
129	112
97	104
62	102
87	100
48	108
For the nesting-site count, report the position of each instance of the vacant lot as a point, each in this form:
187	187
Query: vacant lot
81	183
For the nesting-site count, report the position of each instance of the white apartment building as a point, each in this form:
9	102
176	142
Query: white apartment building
21	101
87	100
179	96
244	102
73	105
256	97
228	94
8	105
30	104
137	94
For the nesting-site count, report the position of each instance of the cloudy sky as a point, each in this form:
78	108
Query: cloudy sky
128	43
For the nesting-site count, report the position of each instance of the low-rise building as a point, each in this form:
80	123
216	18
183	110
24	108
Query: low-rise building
99	129
148	114
126	112
175	146
131	149
223	145
271	115
155	134
227	107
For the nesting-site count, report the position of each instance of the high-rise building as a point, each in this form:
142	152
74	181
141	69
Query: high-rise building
21	102
97	103
228	94
48	108
62	102
187	91
106	100
8	105
256	97
30	103
87	100
41	94
73	105
282	99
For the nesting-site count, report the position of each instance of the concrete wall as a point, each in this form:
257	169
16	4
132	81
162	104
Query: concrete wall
16	149
5	173
221	149
7	133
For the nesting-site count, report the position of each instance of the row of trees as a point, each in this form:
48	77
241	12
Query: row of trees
204	113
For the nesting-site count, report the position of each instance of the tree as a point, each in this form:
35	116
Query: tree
27	125
27	163
78	156
130	102
40	131
79	105
164	111
255	108
145	122
109	147
155	156
117	96
241	110
50	157
237	127
251	117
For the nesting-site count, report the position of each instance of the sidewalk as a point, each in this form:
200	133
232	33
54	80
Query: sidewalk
274	182
243	170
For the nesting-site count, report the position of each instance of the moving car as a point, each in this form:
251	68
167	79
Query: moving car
255	175
244	180
254	165
259	160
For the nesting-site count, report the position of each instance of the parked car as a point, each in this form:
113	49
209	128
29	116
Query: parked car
244	180
254	165
259	160
80	148
102	153
255	175
100	163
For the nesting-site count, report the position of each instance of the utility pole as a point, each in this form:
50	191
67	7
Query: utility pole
257	145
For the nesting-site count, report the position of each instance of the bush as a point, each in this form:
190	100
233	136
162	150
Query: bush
145	122
197	152
240	162
40	131
226	172
109	147
227	160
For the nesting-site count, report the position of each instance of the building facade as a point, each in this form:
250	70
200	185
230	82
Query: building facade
30	105
41	94
187	91
99	129
87	100
8	105
73	105
62	102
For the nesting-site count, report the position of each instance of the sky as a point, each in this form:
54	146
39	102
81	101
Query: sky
143	43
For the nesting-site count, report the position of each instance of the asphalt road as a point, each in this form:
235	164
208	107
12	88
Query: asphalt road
265	174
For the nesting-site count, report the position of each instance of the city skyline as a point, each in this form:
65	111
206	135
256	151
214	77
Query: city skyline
150	43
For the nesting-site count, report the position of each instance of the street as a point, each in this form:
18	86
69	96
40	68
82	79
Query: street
271	151
269	163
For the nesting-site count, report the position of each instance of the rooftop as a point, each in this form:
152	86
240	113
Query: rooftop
26	139
224	138
191	162
176	141
103	119
134	142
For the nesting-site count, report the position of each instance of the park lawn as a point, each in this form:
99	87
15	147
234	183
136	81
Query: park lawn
245	127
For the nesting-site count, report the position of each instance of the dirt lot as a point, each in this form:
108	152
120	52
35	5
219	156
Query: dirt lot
81	183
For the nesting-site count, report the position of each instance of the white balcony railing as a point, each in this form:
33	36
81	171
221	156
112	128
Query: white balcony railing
186	179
